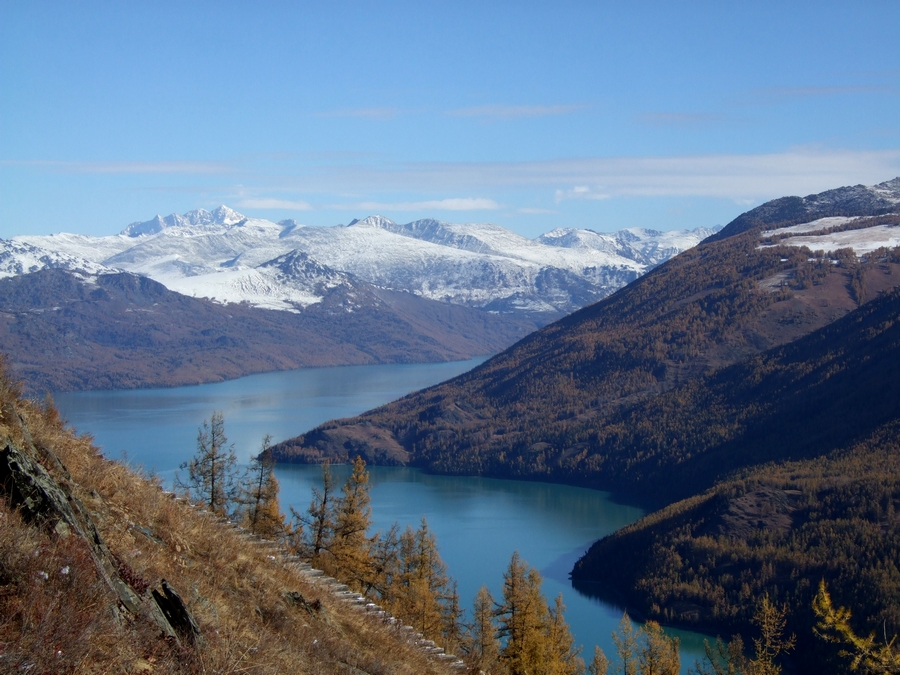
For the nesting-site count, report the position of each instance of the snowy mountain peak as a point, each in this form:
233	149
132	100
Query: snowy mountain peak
139	229
379	222
220	216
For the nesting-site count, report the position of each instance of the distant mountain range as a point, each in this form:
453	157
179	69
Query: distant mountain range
228	257
233	295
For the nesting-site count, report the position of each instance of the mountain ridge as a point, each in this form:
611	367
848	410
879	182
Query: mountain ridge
477	265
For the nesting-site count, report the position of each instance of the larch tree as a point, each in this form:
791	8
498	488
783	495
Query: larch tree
599	664
723	659
866	654
529	627
658	652
627	647
350	547
259	495
431	595
480	643
319	519
563	657
212	471
771	644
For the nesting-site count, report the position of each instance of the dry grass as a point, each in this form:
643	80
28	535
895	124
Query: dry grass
56	615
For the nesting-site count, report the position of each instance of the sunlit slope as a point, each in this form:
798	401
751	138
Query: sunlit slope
547	407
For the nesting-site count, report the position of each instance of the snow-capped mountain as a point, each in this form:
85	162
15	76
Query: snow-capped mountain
228	257
17	258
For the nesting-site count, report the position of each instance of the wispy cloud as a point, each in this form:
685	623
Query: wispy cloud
579	192
365	113
452	204
798	171
508	112
127	167
271	203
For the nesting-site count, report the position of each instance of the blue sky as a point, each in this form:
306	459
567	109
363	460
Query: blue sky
531	115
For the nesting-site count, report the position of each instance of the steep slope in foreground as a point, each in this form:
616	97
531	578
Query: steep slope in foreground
66	331
92	541
819	419
548	407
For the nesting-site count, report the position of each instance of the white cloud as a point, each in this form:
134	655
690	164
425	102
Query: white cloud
452	204
271	203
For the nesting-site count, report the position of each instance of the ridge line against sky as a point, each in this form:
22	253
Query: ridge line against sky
532	116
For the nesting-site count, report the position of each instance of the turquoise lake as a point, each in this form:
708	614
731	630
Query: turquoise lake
478	522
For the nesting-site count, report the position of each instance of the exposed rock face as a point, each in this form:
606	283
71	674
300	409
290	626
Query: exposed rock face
48	501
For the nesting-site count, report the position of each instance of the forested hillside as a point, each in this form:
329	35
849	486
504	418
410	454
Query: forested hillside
551	407
816	425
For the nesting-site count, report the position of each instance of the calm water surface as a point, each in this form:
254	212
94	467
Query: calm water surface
478	522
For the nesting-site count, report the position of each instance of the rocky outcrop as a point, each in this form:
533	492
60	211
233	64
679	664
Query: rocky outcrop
48	501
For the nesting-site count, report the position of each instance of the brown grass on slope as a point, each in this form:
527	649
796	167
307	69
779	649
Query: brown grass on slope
256	614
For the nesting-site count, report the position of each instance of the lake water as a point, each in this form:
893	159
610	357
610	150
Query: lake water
478	522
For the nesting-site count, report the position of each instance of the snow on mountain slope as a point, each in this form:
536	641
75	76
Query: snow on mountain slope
817	236
289	282
224	255
17	258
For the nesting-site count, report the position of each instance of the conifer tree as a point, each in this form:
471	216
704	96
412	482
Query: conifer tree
599	664
423	593
722	659
658	652
530	628
212	471
563	656
626	641
385	577
259	495
865	653
481	644
350	546
771	643
319	521
453	618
